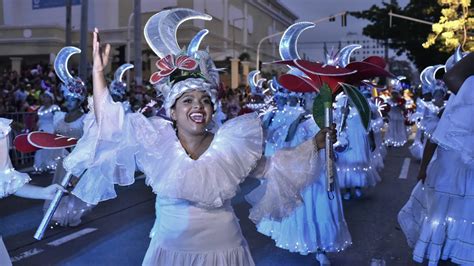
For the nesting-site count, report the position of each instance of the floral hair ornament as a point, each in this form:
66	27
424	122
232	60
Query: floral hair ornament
72	87
169	67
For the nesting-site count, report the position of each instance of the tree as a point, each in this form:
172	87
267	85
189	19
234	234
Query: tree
405	36
453	26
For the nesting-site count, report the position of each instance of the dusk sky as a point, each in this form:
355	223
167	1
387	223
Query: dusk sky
311	41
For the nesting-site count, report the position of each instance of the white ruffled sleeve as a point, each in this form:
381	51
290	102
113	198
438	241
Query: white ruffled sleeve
287	174
10	179
455	129
105	153
211	179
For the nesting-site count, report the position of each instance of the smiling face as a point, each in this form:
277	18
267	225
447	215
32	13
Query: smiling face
192	112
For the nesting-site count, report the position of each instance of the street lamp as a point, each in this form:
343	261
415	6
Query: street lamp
233	34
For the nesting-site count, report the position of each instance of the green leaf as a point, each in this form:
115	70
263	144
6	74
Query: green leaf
323	99
357	99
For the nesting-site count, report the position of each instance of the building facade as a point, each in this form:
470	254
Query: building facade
34	30
370	46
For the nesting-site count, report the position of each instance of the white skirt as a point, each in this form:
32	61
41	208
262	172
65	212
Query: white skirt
438	219
184	234
318	224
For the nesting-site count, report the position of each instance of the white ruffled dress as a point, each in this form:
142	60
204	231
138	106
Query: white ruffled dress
71	209
10	179
438	219
46	160
195	223
396	134
317	222
354	167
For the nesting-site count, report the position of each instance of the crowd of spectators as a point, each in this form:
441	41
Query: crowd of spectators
20	92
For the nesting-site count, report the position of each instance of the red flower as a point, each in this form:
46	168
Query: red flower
167	65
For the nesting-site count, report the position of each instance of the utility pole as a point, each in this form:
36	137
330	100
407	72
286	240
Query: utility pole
68	22
137	41
84	32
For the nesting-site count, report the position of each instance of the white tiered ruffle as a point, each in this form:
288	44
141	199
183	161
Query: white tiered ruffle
157	255
215	176
10	179
287	174
110	149
438	220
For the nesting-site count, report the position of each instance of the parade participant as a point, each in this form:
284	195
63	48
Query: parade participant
427	110
46	160
118	88
275	118
396	134
194	173
377	125
354	167
437	219
318	225
69	124
13	182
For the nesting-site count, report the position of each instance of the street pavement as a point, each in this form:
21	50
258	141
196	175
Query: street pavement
116	231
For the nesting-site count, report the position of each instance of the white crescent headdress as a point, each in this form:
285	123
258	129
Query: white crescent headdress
179	71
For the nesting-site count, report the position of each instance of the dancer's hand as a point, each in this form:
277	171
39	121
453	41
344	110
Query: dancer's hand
48	192
100	56
320	138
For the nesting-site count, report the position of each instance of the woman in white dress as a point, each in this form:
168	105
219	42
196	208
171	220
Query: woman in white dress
396	134
193	172
318	225
69	124
438	219
47	160
354	163
13	182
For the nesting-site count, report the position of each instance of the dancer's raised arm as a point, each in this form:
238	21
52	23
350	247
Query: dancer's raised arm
100	59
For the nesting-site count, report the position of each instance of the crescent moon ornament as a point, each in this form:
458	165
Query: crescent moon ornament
344	55
160	29
453	59
425	76
289	41
435	70
61	61
251	81
458	54
196	42
118	76
254	84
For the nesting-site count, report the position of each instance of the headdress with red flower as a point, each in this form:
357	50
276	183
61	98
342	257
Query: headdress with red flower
175	66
